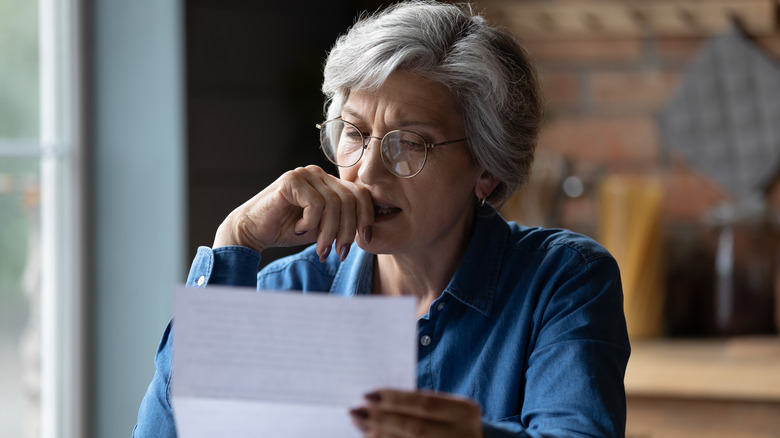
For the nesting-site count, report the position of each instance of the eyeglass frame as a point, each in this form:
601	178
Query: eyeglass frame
367	140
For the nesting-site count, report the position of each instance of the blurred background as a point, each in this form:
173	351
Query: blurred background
129	129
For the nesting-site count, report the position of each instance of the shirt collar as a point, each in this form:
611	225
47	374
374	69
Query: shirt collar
475	281
354	275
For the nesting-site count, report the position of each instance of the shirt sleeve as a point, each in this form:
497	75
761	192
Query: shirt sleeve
155	416
230	265
502	429
574	379
227	266
575	372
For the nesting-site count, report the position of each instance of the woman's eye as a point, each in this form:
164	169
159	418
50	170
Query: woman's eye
351	132
412	144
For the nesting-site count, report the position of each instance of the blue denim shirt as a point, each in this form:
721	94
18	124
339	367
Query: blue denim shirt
531	327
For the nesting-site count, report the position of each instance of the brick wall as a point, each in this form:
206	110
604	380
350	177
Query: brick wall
603	96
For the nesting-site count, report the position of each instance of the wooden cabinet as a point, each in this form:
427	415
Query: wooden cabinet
704	388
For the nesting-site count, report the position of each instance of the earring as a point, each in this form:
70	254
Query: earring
482	201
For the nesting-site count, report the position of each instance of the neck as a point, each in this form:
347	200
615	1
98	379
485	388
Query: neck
424	274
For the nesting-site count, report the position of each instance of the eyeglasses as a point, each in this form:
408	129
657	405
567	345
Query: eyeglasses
403	152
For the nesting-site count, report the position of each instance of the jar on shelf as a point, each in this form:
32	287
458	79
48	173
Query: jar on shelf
745	268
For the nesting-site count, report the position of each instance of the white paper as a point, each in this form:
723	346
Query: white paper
284	364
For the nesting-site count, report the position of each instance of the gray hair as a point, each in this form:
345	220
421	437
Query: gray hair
490	76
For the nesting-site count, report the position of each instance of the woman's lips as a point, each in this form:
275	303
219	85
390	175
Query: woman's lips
382	212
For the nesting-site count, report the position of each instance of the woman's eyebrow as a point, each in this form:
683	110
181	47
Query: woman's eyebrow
350	112
397	124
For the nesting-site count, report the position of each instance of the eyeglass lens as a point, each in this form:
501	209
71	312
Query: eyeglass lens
403	152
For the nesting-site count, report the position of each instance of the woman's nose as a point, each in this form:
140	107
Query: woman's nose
371	165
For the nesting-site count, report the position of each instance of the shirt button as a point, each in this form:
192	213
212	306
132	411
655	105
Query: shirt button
425	341
440	306
201	280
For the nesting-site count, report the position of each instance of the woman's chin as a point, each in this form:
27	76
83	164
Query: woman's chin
376	246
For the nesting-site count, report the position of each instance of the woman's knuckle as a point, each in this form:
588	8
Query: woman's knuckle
296	172
332	199
348	202
427	404
317	202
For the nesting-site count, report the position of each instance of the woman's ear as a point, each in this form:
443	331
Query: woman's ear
485	185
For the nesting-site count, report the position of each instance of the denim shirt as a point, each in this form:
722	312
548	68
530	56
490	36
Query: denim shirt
531	327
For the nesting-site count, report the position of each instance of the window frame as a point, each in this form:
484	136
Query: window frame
63	246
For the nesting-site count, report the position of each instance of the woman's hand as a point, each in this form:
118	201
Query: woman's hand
402	414
304	205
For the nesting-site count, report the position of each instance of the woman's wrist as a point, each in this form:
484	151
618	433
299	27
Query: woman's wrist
225	235
229	233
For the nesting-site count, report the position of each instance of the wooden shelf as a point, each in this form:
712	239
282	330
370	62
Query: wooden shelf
738	369
621	18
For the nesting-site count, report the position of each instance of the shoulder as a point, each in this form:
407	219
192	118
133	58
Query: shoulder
570	281
302	271
564	247
550	261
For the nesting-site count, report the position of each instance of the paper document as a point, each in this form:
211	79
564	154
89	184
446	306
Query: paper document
284	364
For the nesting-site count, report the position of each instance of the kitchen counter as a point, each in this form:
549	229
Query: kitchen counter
708	387
733	369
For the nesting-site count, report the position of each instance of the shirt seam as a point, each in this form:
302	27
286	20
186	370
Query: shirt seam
278	267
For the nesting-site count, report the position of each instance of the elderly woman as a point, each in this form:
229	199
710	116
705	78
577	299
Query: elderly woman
433	116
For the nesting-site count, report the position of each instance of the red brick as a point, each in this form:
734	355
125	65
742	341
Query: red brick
647	90
579	215
685	49
560	90
689	194
773	195
615	142
586	51
770	44
679	49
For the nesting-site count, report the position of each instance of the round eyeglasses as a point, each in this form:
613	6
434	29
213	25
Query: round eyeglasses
403	152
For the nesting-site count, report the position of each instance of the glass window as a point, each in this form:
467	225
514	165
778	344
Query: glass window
19	68
40	343
19	217
19	285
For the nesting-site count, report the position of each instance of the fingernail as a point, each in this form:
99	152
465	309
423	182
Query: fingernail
300	233
325	253
367	232
343	252
359	413
373	397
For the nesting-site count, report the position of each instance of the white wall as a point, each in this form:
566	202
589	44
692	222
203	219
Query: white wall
138	198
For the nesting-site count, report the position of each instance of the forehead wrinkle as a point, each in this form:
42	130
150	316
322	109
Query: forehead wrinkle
405	100
398	117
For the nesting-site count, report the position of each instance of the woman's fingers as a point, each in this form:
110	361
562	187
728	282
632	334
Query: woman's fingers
416	414
432	405
383	424
330	207
365	213
345	234
304	205
356	216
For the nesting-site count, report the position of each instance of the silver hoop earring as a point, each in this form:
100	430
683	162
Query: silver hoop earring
482	202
